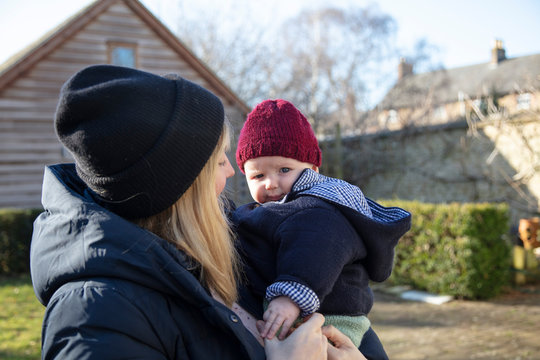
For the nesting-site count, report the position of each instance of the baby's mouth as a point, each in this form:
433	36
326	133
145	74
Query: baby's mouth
275	198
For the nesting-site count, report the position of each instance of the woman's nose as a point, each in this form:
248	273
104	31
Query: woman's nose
230	169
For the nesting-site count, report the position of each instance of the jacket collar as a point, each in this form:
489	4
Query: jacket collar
75	238
337	191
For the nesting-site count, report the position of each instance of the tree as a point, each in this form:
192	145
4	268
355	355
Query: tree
332	55
326	61
508	136
231	42
422	56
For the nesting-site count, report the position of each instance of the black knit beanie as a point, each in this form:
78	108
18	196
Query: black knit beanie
139	140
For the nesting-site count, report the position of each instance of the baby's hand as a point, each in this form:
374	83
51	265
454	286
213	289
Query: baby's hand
281	312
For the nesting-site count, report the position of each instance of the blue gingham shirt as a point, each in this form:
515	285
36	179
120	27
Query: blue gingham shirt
303	296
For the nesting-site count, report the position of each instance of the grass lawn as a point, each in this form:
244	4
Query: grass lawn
20	319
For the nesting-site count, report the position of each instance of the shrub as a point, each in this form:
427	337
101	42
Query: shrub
15	237
454	249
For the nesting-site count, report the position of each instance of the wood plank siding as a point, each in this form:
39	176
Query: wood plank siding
29	89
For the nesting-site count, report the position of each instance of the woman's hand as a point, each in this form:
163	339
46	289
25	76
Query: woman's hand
306	342
343	347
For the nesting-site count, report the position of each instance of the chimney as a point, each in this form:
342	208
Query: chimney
404	69
498	53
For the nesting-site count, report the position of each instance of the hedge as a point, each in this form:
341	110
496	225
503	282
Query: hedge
15	237
454	249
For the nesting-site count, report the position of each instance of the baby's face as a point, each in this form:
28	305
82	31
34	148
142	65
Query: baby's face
270	178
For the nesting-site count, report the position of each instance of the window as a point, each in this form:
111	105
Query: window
477	103
440	113
392	117
524	101
462	107
481	105
122	54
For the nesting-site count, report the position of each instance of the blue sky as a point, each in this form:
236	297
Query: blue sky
463	30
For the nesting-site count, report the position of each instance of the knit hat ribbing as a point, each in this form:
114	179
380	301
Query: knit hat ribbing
139	140
277	128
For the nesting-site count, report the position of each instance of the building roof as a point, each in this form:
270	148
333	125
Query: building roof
444	86
24	60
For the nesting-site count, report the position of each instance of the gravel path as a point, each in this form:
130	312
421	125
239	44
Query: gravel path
507	327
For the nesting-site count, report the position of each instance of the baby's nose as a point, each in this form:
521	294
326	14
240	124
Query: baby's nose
270	184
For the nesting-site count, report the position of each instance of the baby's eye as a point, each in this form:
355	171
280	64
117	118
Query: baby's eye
285	170
258	176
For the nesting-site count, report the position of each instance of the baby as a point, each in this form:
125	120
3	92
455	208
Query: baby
310	242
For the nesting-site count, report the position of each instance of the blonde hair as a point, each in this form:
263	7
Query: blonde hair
197	225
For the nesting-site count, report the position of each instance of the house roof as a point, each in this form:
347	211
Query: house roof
24	60
444	86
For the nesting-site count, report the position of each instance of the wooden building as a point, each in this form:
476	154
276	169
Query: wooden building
121	32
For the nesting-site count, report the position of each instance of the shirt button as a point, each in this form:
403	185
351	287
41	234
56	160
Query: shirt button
234	318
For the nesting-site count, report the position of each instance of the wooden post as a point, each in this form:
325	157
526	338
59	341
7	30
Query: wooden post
524	259
528	232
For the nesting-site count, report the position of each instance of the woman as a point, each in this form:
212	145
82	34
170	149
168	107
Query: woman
133	257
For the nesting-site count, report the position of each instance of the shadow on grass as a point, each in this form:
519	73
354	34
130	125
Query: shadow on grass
15	280
11	355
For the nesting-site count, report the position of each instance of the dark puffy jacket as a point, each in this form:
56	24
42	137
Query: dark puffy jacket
313	237
115	290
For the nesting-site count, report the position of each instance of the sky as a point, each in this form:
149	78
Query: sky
462	30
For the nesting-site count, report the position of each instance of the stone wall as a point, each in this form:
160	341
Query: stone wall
493	161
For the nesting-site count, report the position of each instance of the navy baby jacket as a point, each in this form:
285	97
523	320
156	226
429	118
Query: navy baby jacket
320	243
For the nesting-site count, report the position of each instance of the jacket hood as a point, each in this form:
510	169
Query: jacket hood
379	227
76	239
331	189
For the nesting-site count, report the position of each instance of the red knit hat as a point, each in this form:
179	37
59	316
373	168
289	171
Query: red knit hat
277	128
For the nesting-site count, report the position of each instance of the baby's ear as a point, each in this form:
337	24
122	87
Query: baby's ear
315	168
